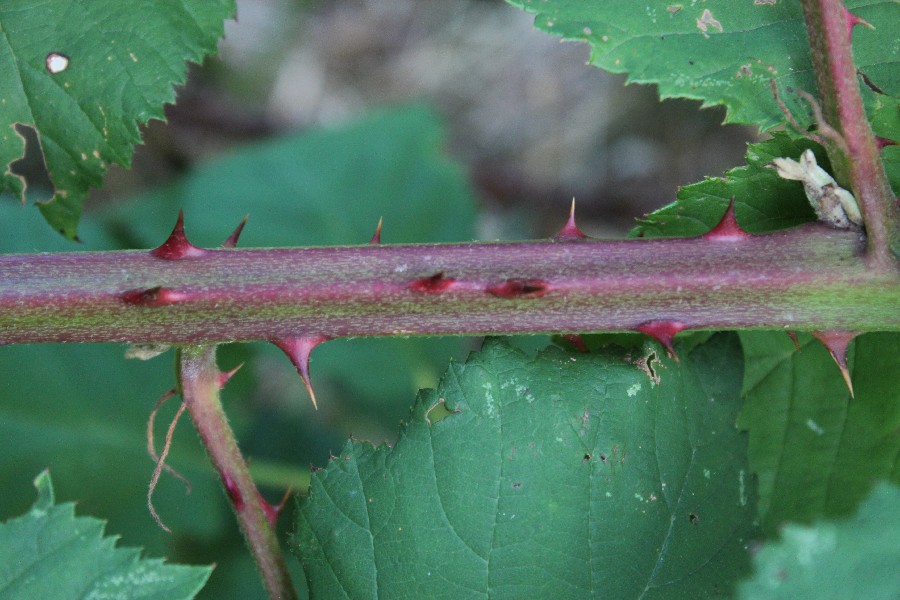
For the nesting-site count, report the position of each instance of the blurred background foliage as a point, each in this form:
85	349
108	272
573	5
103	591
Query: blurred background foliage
452	120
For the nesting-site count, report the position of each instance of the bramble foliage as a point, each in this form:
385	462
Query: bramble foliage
615	472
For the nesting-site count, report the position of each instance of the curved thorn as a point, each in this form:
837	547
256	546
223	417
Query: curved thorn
273	511
570	231
225	377
884	142
376	237
854	20
663	332
577	341
232	239
728	229
837	342
177	245
298	350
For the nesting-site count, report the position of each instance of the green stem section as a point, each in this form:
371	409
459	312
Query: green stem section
858	159
199	381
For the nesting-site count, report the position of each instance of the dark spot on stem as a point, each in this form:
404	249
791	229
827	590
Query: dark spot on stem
435	284
234	494
155	296
519	288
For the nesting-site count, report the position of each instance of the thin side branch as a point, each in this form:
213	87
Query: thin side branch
199	382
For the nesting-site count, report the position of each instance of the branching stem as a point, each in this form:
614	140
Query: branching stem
199	382
830	27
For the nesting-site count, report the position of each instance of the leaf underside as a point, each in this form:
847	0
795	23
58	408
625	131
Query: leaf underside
611	474
83	75
51	553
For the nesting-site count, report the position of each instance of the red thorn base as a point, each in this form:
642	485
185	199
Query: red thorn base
837	342
298	350
663	332
434	284
570	231
177	246
376	237
519	288
232	239
155	296
728	229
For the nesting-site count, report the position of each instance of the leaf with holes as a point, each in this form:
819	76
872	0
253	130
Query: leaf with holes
51	553
854	558
83	75
816	451
610	474
718	51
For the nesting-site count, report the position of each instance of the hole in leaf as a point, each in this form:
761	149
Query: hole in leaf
603	458
56	62
438	412
694	519
587	457
517	485
31	168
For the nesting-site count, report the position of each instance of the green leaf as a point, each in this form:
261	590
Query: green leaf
614	474
763	201
51	553
717	51
83	75
854	558
816	451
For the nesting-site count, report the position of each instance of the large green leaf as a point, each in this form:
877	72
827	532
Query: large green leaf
613	474
83	75
816	451
855	558
718	51
51	553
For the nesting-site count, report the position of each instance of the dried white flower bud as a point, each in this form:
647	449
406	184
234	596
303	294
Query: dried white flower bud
832	203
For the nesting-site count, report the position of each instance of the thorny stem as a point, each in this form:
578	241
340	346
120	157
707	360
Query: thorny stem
829	26
199	382
809	278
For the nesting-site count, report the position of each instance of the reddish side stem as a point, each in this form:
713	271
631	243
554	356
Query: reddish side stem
830	27
199	379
